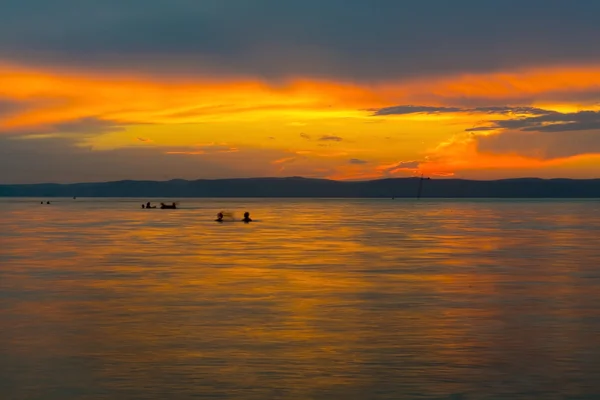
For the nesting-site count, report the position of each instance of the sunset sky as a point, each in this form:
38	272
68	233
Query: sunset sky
340	89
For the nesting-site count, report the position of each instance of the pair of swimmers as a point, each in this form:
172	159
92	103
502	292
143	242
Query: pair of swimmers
246	218
162	206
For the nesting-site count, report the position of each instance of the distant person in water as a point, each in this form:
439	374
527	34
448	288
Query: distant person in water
171	206
143	206
47	202
219	217
247	217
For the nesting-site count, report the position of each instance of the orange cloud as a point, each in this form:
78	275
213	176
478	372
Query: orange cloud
353	173
532	86
460	155
62	96
67	95
205	109
284	160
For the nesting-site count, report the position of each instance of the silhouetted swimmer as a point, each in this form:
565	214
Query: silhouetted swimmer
247	217
143	206
47	202
219	217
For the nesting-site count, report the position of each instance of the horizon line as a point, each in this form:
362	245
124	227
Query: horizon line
305	178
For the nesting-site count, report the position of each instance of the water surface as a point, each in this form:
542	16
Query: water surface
316	299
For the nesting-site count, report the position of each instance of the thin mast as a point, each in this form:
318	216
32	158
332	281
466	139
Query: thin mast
421	179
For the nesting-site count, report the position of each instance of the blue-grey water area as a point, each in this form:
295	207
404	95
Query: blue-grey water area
314	299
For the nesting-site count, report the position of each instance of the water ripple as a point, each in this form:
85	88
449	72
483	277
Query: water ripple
328	299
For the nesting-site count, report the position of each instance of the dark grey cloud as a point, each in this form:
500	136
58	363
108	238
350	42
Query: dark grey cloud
62	160
354	39
8	106
80	126
90	125
542	145
401	110
357	161
553	122
330	138
548	136
506	110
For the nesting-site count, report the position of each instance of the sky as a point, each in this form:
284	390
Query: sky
338	89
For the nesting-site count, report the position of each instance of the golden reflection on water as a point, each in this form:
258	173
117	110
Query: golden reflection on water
348	299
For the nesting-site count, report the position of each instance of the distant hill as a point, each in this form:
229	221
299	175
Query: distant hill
304	187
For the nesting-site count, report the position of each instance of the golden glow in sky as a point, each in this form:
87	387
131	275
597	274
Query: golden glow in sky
487	125
154	89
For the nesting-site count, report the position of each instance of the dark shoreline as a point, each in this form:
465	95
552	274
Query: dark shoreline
296	187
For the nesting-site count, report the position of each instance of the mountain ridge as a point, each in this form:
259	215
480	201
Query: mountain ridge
315	187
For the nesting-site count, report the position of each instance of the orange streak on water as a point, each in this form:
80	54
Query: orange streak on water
325	299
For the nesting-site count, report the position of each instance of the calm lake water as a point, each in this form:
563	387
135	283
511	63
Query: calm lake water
315	299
